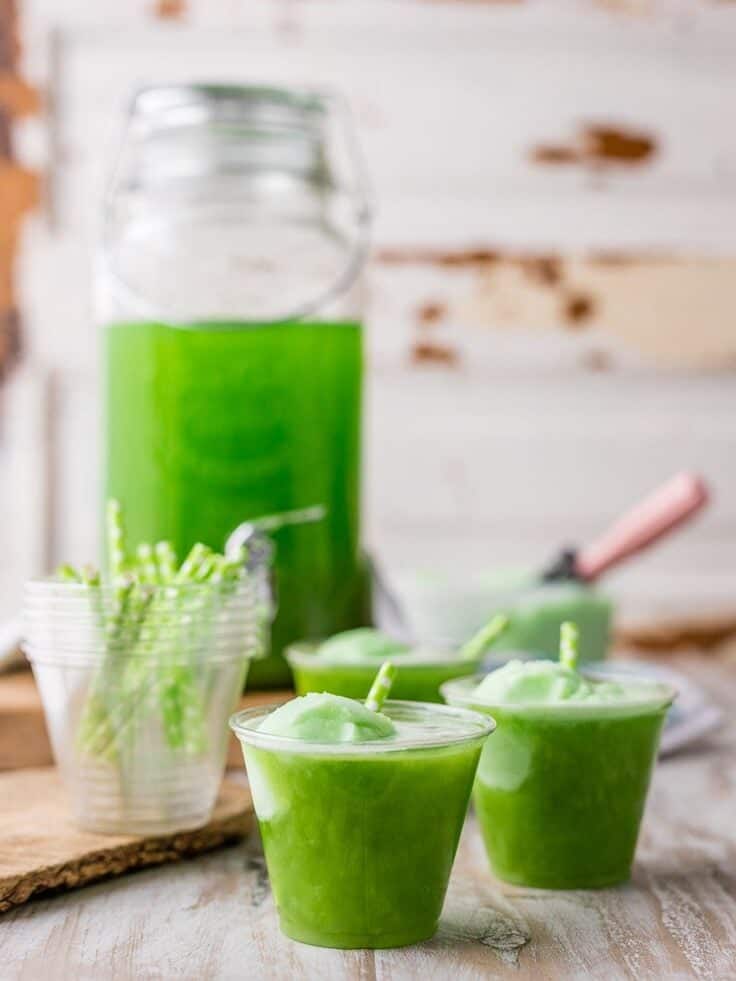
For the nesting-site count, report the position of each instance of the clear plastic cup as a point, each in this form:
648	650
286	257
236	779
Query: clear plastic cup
360	838
137	696
561	788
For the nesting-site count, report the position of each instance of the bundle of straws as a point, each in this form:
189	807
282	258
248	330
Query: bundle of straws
157	620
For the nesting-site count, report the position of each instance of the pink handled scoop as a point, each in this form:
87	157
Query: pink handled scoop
667	508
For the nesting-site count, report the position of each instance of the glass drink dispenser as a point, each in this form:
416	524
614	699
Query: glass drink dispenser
234	238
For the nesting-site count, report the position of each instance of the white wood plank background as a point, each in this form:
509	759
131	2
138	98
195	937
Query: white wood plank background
520	444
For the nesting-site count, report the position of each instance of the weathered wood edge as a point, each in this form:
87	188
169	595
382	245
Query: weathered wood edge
128	856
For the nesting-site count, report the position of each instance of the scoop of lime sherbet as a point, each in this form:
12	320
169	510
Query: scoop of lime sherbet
325	718
520	682
362	642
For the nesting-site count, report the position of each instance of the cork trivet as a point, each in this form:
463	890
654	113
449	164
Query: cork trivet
23	737
41	850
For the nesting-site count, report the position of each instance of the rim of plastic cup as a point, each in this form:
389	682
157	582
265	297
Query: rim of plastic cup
36	590
78	657
304	654
40	620
461	692
469	727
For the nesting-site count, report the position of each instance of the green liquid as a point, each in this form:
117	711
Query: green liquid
560	801
536	619
359	850
417	684
212	425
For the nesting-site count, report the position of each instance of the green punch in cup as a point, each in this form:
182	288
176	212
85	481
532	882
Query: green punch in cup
233	349
360	812
420	673
561	787
346	663
536	614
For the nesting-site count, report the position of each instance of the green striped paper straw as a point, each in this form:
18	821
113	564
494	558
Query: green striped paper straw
147	562
115	539
231	566
90	576
67	573
166	558
381	687
482	640
569	638
207	567
116	619
193	563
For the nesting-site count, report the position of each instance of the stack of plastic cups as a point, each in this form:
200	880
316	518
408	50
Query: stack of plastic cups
137	697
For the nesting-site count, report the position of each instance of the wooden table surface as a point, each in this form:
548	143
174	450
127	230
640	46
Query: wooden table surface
214	917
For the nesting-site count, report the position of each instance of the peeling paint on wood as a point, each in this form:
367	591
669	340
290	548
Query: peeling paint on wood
544	269
19	187
477	911
170	9
450	258
578	308
611	144
597	145
17	96
430	352
430	313
638	306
